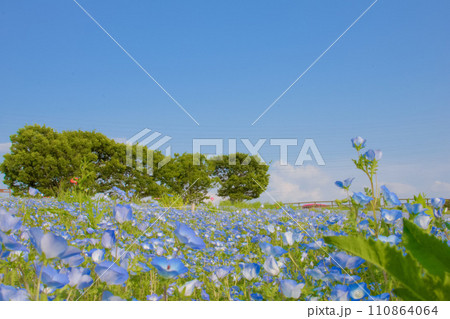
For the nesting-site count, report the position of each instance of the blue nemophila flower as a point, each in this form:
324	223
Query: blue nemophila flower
336	274
392	239
373	155
422	220
33	191
315	245
271	228
268	249
72	257
188	237
235	292
8	222
390	216
97	255
51	245
341	259
154	297
222	272
256	297
122	213
363	225
51	277
110	273
383	297
10	243
437	204
80	277
357	291
316	273
333	219
390	197
339	293
109	296
189	287
120	193
9	293
291	289
108	239
358	143
271	266
344	184
414	209
288	238
250	271
204	295
168	268
361	199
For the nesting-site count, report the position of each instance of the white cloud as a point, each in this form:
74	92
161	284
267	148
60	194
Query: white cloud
310	183
4	147
442	189
301	183
402	190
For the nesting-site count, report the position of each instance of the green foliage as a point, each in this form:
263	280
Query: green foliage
423	273
430	252
47	160
33	161
240	176
172	201
420	199
190	180
228	205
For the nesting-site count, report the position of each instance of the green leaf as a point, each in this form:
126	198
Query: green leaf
430	252
404	294
403	268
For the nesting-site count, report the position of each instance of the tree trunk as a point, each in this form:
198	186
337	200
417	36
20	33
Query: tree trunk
193	206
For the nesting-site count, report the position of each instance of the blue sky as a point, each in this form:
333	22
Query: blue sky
387	79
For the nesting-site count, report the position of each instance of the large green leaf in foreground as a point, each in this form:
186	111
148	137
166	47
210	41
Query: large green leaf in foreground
430	252
416	284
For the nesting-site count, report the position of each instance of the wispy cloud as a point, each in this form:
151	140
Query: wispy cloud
4	147
308	183
301	183
441	189
403	190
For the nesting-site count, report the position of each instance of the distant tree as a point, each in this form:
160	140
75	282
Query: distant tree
33	160
240	176
44	159
187	179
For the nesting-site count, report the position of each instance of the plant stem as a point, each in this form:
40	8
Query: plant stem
38	290
165	292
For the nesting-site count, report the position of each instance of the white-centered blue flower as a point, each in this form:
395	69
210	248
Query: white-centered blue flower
271	266
291	289
422	220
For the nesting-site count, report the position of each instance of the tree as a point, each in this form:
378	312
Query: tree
189	180
33	160
44	159
241	176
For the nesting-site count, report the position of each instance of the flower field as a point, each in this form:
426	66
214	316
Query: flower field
52	250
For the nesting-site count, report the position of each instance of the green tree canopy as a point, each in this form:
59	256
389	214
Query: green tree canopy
188	179
44	159
240	176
